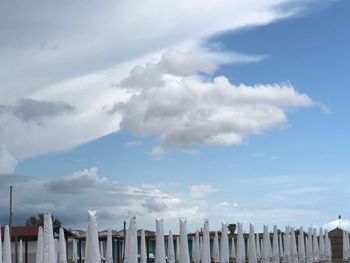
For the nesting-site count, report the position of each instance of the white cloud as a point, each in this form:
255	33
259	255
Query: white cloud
66	64
213	113
341	223
201	190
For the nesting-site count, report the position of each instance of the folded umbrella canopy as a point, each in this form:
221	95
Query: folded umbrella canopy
240	253
224	248
184	255
301	245
252	248
177	248
206	243
322	245
62	251
287	248
196	255
275	247
294	252
109	252
160	248
257	245
74	252
39	246
328	251
216	257
7	246
132	241
280	245
316	251
92	251
49	254
309	249
143	252
20	252
233	248
266	245
171	253
345	245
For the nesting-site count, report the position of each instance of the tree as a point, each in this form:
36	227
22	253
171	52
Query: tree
36	221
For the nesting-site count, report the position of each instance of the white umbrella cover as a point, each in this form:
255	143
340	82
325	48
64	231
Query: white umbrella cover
132	241
39	246
109	250
215	255
143	252
252	249
177	248
92	251
184	255
309	250
62	251
266	245
240	253
301	245
196	255
322	245
294	252
160	248
49	254
20	252
224	248
275	247
171	253
74	252
233	248
280	245
7	246
206	243
257	245
287	246
316	251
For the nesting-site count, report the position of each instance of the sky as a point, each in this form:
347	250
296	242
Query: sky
235	111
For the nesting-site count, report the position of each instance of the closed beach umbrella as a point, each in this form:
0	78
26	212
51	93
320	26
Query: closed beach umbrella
345	246
49	253
143	252
160	247
109	252
252	248
233	248
224	245
62	251
275	248
39	246
287	247
301	245
184	255
257	245
92	251
294	252
206	243
196	255
280	245
74	253
171	253
309	249
20	252
240	253
321	245
178	248
328	251
132	242
215	255
266	245
7	246
316	250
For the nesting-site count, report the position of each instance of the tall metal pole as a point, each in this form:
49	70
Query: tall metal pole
10	214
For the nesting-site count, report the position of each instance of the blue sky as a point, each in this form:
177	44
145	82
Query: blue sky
288	166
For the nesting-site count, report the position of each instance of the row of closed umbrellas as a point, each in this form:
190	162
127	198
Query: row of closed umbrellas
290	247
